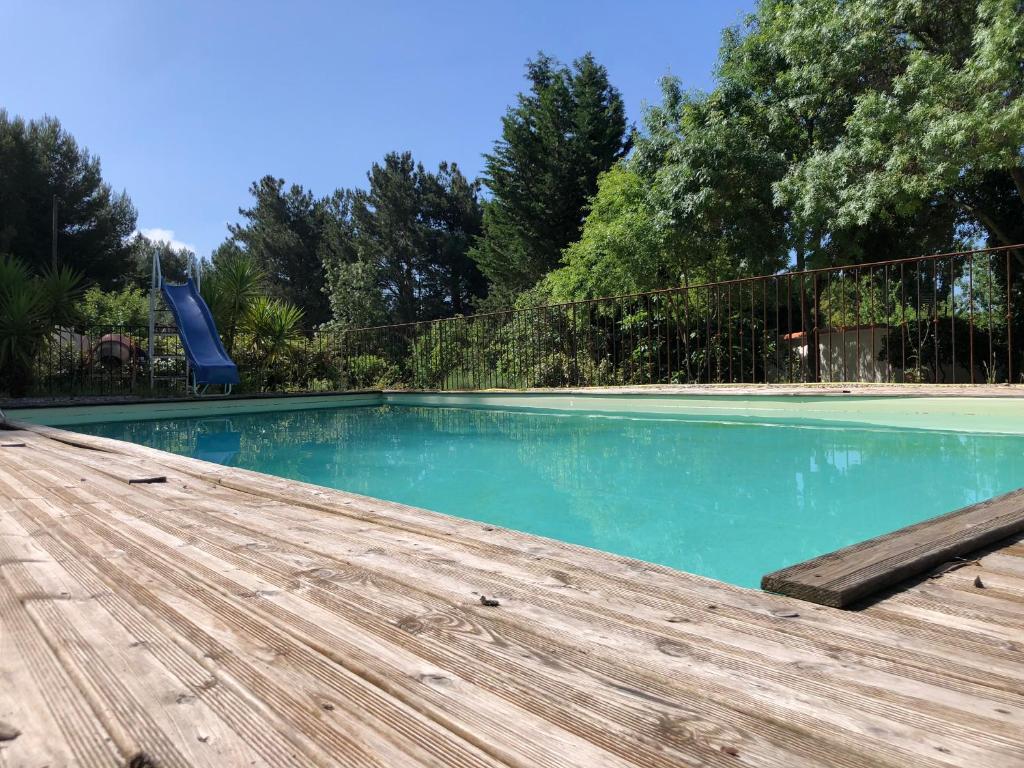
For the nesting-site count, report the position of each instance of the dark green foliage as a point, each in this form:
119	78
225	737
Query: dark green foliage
233	282
555	142
31	308
286	231
400	247
173	261
370	372
39	159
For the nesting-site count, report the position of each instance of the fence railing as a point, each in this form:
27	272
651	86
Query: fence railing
108	360
948	318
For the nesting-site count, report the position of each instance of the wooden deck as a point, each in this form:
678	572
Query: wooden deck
222	617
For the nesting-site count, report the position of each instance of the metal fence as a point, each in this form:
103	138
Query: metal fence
946	319
108	360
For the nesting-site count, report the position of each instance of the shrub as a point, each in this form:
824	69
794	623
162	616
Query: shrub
31	307
127	307
371	372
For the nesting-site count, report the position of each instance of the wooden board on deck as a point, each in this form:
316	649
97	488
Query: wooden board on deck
851	574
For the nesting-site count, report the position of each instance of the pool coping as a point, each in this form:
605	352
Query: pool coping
849	575
837	389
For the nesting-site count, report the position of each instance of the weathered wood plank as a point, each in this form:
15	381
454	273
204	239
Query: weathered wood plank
638	584
848	575
704	743
272	548
56	722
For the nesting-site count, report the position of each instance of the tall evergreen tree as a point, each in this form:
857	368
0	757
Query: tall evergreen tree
173	261
285	231
402	245
40	160
454	216
555	142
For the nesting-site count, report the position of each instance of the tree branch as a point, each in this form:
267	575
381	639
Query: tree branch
1017	174
995	229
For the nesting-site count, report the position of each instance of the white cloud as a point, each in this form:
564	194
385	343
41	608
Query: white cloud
158	235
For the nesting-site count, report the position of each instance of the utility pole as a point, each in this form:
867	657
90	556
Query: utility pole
53	235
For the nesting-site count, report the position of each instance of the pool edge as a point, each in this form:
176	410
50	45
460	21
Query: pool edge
846	576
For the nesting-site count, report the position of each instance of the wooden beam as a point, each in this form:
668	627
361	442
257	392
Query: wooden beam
843	577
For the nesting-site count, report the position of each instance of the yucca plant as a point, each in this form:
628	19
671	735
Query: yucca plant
31	307
272	327
229	288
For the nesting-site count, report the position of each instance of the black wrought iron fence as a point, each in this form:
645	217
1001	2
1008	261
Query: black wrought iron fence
948	318
108	360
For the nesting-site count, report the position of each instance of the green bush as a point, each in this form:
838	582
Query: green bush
371	372
127	307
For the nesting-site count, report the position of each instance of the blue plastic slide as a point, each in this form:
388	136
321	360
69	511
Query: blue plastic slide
207	359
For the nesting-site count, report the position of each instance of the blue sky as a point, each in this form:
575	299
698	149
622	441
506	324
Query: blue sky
187	103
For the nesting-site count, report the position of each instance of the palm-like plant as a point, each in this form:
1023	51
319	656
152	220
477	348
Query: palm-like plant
30	308
229	288
272	326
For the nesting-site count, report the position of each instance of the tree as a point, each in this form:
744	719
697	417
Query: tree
454	283
942	125
622	249
285	232
555	143
230	284
400	248
837	133
173	261
40	160
693	203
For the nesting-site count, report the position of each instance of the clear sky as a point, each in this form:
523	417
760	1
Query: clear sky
188	102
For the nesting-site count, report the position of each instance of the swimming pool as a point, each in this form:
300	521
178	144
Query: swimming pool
718	493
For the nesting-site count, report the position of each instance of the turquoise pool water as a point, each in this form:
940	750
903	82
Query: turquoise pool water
727	500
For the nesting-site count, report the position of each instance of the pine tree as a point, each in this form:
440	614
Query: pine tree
284	231
555	142
40	160
401	246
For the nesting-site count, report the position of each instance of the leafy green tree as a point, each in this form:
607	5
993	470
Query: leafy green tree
938	124
285	232
837	133
622	249
40	160
555	142
127	307
693	203
400	248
